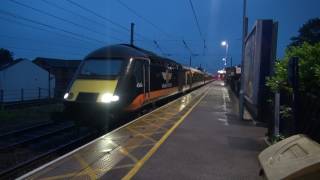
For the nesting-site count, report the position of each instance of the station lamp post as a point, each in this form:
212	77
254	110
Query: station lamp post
225	44
190	60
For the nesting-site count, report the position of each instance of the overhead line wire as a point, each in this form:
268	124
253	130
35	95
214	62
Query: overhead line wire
102	17
77	14
59	18
187	47
158	46
41	50
71	12
43	41
196	18
143	18
49	26
198	25
46	30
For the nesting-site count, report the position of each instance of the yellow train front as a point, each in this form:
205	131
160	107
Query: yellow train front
122	78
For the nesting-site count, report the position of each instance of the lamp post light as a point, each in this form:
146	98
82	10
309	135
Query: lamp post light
225	61
225	44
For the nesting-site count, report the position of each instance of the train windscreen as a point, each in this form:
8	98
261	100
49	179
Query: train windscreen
98	67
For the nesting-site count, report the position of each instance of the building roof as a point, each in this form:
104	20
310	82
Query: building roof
56	63
5	66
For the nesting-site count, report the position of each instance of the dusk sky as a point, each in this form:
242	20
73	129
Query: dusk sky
70	29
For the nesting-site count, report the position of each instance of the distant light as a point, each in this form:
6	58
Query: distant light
221	72
224	43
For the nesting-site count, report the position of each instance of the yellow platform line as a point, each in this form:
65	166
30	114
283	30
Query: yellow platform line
141	134
122	166
141	162
154	125
76	174
139	146
155	119
89	171
63	176
126	153
150	134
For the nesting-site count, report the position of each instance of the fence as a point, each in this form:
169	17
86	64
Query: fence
20	95
307	120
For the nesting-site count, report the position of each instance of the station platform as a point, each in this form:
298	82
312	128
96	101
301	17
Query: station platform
197	136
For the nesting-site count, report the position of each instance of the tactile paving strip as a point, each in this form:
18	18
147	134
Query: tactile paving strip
115	153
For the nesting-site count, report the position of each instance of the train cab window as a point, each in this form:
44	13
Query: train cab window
101	67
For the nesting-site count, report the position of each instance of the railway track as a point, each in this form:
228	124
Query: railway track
21	151
28	148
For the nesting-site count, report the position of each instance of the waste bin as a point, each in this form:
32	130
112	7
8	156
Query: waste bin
296	157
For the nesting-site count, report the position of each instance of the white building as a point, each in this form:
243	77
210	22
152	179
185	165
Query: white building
22	80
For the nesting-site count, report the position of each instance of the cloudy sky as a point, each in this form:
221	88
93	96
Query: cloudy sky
70	29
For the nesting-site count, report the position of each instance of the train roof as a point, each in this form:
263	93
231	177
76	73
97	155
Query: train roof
154	56
126	51
116	51
192	69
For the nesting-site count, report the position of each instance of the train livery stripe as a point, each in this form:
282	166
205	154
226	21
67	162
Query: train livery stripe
162	92
153	95
136	103
93	86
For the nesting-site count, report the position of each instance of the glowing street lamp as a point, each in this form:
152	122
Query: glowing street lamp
225	44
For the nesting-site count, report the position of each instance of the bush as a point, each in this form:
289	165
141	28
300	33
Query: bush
309	70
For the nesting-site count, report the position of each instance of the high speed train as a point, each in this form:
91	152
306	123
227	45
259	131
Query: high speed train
123	78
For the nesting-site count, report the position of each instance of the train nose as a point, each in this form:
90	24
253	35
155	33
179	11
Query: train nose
93	90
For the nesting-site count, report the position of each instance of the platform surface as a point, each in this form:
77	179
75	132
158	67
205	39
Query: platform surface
197	136
211	143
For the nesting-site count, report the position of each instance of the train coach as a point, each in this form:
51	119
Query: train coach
124	78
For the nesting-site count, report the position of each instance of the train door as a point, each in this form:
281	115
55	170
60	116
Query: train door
142	68
181	79
189	75
146	70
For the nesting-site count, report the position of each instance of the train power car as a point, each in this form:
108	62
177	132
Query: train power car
123	78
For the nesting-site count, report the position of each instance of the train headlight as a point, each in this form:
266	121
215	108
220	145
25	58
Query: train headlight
108	98
68	95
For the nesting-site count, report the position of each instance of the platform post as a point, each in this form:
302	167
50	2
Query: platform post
1	99
244	34
39	93
276	114
22	94
293	77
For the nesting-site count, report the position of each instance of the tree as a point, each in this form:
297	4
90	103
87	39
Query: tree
306	47
309	32
5	56
309	70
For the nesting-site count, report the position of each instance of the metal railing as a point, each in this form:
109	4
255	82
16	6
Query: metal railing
20	95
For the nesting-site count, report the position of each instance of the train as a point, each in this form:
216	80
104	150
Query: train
124	78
